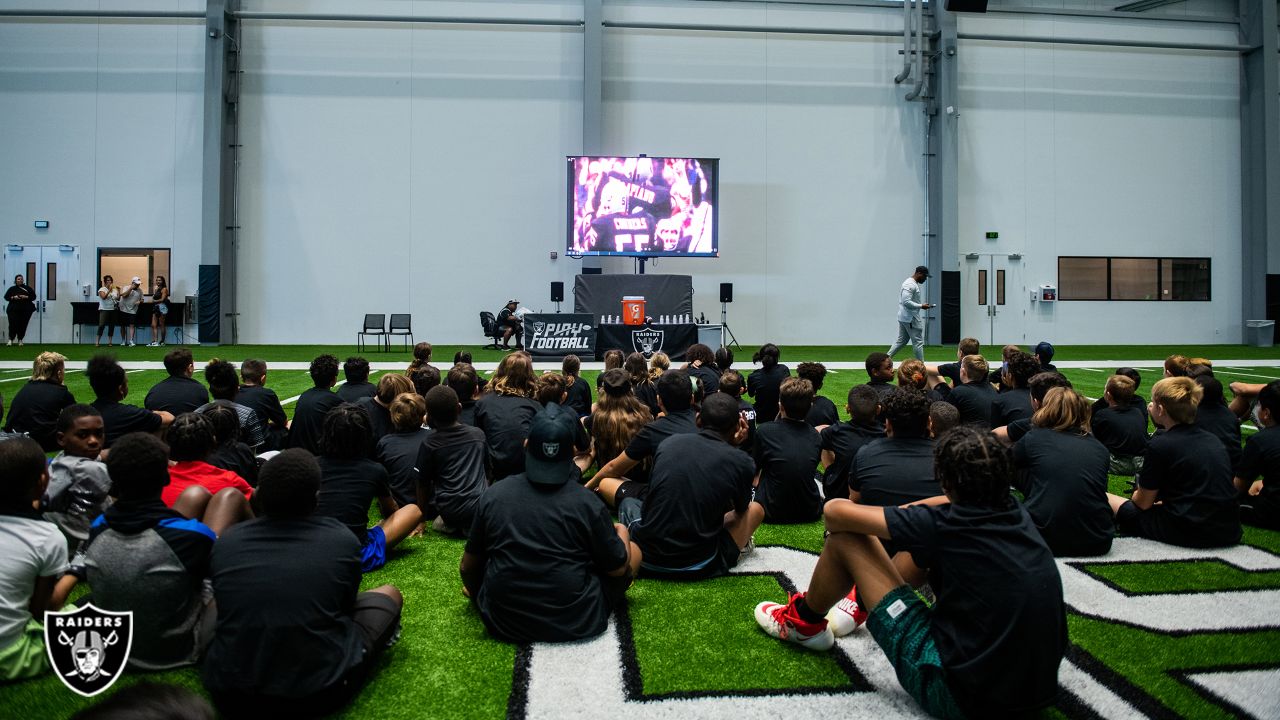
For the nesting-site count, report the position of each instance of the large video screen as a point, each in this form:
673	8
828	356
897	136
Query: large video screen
643	206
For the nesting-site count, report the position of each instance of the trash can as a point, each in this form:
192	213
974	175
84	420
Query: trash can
633	310
1260	333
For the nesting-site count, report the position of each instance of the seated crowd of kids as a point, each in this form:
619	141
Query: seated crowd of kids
959	482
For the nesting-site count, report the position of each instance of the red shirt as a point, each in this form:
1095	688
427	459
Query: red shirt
197	472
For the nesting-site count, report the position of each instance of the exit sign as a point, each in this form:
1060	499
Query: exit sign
993	236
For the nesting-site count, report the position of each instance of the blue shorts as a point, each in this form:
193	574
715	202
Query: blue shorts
374	553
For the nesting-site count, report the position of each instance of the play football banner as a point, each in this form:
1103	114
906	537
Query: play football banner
559	335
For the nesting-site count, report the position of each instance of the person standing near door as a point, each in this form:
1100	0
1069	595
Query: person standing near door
22	303
108	297
130	299
159	311
910	324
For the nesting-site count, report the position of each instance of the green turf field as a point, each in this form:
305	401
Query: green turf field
1155	630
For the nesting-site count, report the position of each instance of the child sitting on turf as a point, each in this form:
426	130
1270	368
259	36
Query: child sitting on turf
422	358
658	364
1185	495
644	388
79	485
1066	480
378	407
110	386
579	389
398	451
763	383
191	440
1260	496
823	412
942	417
1044	353
911	374
32	556
735	386
255	395
350	481
504	413
880	373
1213	416
1015	402
314	404
425	378
449	468
544	562
1040	384
463	382
1120	427
553	389
786	452
627	475
842	441
991	644
229	452
681	524
974	395
356	372
950	372
612	359
295	636
898	468
145	557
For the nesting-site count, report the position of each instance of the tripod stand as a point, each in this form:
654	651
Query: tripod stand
724	327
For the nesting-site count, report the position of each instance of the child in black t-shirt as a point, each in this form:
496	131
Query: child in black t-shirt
1120	426
1014	403
786	453
991	644
264	656
450	465
1260	496
1137	401
974	395
942	417
1185	495
579	390
842	441
735	386
350	481
823	412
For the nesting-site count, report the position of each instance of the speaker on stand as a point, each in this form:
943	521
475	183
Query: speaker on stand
557	294
726	297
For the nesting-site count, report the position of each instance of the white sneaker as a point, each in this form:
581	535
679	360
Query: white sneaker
153	344
782	622
846	616
9	343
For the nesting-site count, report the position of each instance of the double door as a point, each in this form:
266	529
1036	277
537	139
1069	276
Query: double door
53	271
993	299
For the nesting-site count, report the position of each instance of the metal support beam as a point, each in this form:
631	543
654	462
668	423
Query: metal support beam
592	76
1259	155
218	225
943	240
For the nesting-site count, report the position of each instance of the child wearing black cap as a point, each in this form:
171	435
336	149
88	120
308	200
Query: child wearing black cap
544	562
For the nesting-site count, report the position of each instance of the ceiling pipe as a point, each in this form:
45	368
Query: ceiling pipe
915	91
105	14
1049	40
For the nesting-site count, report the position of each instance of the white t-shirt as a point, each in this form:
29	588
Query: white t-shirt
108	302
29	549
130	299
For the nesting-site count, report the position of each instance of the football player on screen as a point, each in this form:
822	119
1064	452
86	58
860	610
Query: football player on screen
615	229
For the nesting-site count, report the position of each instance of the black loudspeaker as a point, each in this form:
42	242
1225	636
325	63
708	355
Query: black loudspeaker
976	6
950	314
557	291
726	292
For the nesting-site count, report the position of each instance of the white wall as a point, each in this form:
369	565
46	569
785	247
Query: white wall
419	168
100	132
1082	150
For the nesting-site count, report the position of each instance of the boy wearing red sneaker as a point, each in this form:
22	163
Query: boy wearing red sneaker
992	643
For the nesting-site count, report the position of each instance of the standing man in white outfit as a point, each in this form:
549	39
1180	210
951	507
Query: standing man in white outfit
910	324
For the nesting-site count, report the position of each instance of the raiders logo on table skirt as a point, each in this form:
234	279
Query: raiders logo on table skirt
647	341
88	647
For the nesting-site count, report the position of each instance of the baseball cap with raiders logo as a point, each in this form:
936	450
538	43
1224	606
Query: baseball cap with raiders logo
549	450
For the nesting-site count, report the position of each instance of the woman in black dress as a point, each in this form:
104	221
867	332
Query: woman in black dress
159	311
22	303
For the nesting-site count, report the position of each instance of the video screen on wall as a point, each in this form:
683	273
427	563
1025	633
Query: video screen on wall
643	206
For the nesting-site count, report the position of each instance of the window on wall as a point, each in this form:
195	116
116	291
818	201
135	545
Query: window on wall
1129	278
123	264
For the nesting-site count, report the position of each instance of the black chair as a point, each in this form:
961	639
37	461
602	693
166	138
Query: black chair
376	325
400	325
491	330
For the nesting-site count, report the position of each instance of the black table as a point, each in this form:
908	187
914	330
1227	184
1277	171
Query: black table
670	338
86	313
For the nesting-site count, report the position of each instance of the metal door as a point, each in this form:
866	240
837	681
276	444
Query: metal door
994	301
53	271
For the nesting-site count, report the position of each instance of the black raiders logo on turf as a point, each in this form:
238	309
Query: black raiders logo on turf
647	341
88	647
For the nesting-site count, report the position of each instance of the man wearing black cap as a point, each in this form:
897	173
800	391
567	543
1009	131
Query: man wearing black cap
910	324
544	562
510	325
